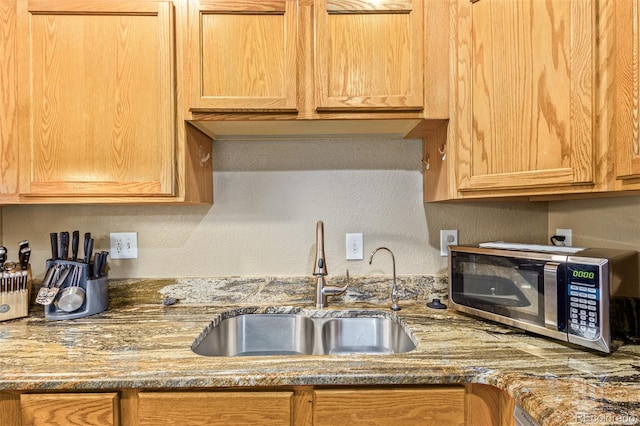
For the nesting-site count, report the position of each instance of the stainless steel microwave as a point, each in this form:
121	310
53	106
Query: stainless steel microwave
588	297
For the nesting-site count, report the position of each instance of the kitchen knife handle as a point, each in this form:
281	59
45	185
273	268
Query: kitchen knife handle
74	245
64	236
54	245
103	263
25	254
96	265
89	252
87	239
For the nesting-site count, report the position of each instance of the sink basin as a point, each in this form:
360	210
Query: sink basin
258	335
365	335
305	333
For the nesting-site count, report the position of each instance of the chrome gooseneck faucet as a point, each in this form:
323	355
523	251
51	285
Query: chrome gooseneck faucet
320	271
394	289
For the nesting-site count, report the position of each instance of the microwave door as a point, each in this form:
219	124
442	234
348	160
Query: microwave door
505	286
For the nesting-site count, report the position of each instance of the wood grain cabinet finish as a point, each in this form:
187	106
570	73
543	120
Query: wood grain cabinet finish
369	55
70	409
304	58
243	55
214	408
96	94
470	404
435	406
525	87
8	103
627	93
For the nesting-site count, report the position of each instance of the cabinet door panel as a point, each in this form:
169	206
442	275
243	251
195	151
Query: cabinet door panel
97	85
444	406
369	55
627	108
81	409
243	54
525	94
8	102
214	408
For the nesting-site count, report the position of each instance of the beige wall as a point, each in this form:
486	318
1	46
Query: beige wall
268	197
604	222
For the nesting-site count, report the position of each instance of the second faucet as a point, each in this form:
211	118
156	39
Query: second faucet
394	289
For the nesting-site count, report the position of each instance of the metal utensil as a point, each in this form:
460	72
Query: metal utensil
72	297
47	296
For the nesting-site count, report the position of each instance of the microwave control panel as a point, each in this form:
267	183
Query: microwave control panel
583	296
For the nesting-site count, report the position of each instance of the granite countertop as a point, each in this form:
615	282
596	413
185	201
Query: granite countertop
141	343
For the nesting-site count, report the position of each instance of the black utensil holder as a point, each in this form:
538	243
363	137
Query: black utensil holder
96	293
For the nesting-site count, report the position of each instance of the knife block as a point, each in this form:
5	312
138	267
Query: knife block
15	304
96	293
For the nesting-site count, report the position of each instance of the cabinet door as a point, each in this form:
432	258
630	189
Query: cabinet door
437	406
627	98
369	55
8	103
243	54
86	409
214	408
525	90
96	90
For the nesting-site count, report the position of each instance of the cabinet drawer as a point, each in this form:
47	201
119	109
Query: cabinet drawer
214	408
441	406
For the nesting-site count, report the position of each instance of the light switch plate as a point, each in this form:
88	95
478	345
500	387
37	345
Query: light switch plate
354	247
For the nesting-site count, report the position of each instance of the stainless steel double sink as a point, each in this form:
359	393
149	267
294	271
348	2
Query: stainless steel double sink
305	333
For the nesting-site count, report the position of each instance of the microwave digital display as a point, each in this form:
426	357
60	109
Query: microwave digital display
579	273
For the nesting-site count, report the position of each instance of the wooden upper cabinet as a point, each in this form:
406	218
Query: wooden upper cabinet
243	55
627	94
8	104
96	96
369	55
525	87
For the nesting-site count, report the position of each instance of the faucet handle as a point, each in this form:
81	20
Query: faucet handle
336	291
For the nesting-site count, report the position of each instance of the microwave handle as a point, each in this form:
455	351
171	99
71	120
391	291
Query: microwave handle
551	295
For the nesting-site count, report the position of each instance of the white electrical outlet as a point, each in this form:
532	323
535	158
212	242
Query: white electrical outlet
448	237
354	247
566	233
124	245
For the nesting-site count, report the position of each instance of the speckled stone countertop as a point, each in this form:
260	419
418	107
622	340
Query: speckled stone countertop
141	343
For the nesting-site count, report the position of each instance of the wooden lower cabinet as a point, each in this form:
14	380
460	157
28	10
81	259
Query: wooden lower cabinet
214	408
69	409
486	405
441	405
430	406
